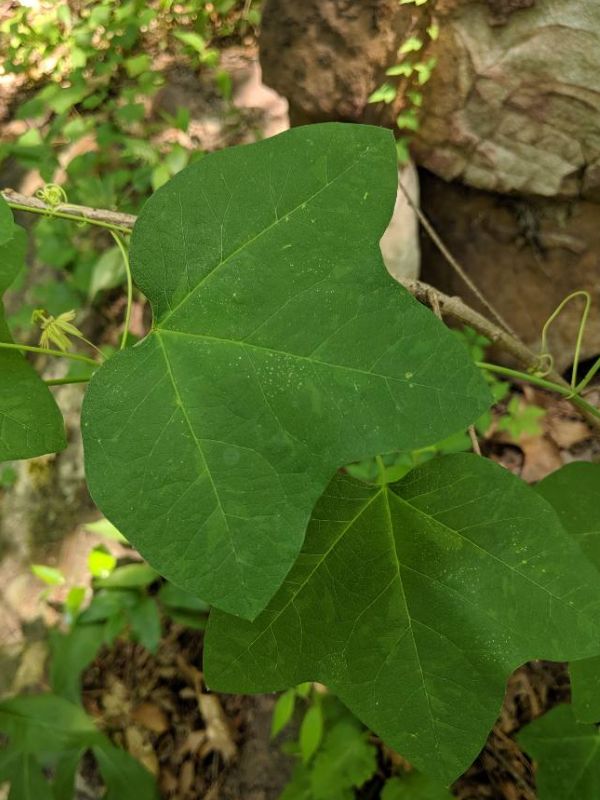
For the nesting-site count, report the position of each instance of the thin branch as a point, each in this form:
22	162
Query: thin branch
112	220
460	271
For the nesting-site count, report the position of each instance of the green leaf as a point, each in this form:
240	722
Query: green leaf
567	755
415	602
63	785
129	576
121	772
145	623
105	528
280	351
311	732
386	93
101	562
346	760
7	224
45	723
71	653
172	596
49	575
30	422
574	491
283	711
27	781
414	787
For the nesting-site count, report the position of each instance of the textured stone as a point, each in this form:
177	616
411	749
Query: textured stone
526	256
513	105
327	56
516	107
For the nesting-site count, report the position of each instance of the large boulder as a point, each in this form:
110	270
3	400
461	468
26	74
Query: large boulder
513	105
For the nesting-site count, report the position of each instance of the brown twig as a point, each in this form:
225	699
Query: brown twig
112	219
460	271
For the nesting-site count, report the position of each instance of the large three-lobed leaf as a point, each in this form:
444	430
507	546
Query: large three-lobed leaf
574	492
415	602
280	351
30	421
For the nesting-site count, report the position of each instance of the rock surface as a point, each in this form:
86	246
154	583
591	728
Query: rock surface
525	255
513	105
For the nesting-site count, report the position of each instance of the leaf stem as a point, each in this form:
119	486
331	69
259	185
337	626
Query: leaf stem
65	381
47	352
565	391
125	255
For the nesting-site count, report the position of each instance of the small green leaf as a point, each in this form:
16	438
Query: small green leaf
311	732
567	755
411	45
71	653
30	422
50	575
414	787
345	761
408	120
145	623
105	528
172	596
283	711
101	563
121	772
129	576
386	93
137	64
470	574
405	69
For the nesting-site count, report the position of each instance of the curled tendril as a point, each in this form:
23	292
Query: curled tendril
52	195
544	366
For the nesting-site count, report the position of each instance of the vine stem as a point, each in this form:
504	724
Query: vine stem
47	352
65	381
125	255
110	220
565	391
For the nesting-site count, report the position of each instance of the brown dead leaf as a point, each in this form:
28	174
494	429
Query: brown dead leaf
151	717
115	699
30	673
141	749
219	736
566	431
187	775
541	457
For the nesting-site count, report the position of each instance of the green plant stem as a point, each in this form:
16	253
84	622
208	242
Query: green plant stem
594	369
65	381
47	352
565	391
125	255
580	332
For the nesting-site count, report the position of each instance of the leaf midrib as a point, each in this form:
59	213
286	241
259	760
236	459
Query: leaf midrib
197	441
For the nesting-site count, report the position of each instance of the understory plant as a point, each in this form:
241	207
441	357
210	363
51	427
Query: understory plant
221	445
